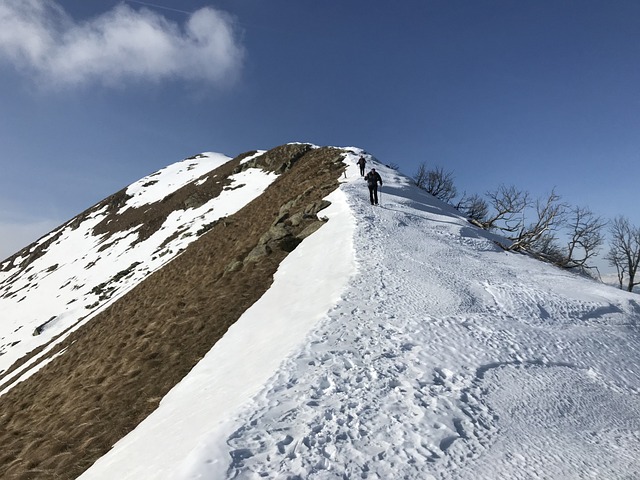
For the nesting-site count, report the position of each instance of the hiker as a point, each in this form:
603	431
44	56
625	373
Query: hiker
372	179
362	162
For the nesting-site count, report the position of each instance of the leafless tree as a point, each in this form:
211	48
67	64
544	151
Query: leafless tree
507	209
508	204
421	176
624	251
440	184
618	262
473	207
586	236
548	249
550	213
437	182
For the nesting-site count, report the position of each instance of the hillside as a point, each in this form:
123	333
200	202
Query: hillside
392	342
136	323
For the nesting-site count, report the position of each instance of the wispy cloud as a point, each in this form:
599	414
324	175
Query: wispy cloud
39	38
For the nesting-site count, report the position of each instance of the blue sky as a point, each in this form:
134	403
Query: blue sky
95	95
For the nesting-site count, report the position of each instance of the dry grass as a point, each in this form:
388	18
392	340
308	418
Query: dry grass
119	366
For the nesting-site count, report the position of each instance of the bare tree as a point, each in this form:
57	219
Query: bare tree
440	184
585	237
421	176
473	207
547	248
617	261
508	205
549	216
437	182
624	252
506	211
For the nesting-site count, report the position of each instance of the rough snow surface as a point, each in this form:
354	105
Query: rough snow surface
444	357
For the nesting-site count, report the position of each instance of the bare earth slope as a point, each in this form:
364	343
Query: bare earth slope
115	369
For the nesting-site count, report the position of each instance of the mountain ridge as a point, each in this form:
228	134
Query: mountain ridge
242	252
435	354
427	351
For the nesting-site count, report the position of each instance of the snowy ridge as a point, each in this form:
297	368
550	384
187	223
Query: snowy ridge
155	187
442	357
67	277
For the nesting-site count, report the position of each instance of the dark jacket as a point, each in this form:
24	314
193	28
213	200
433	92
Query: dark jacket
373	178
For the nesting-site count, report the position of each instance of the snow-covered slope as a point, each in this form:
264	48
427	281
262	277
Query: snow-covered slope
101	318
400	342
64	279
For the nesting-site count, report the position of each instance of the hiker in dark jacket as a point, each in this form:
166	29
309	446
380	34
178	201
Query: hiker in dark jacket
372	179
362	162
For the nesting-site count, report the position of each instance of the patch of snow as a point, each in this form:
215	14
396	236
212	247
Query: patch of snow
154	187
251	157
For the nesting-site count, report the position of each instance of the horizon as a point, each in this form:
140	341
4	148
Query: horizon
537	95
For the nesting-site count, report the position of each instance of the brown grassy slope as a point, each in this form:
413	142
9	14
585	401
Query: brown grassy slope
151	217
147	219
118	367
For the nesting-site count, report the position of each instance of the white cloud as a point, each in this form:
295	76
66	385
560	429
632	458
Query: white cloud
41	39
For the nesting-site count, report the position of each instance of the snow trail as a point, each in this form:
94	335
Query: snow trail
435	365
368	357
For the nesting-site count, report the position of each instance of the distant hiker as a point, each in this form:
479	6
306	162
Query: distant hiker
362	162
372	179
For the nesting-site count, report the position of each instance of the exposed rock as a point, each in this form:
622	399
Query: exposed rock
234	266
258	252
310	229
316	207
195	201
288	243
279	159
276	232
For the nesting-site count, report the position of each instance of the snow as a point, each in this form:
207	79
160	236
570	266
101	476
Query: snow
400	342
59	288
154	187
227	377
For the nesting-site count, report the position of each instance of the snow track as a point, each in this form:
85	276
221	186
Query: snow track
435	365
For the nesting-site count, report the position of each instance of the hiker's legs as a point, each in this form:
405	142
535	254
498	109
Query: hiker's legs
371	195
375	194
